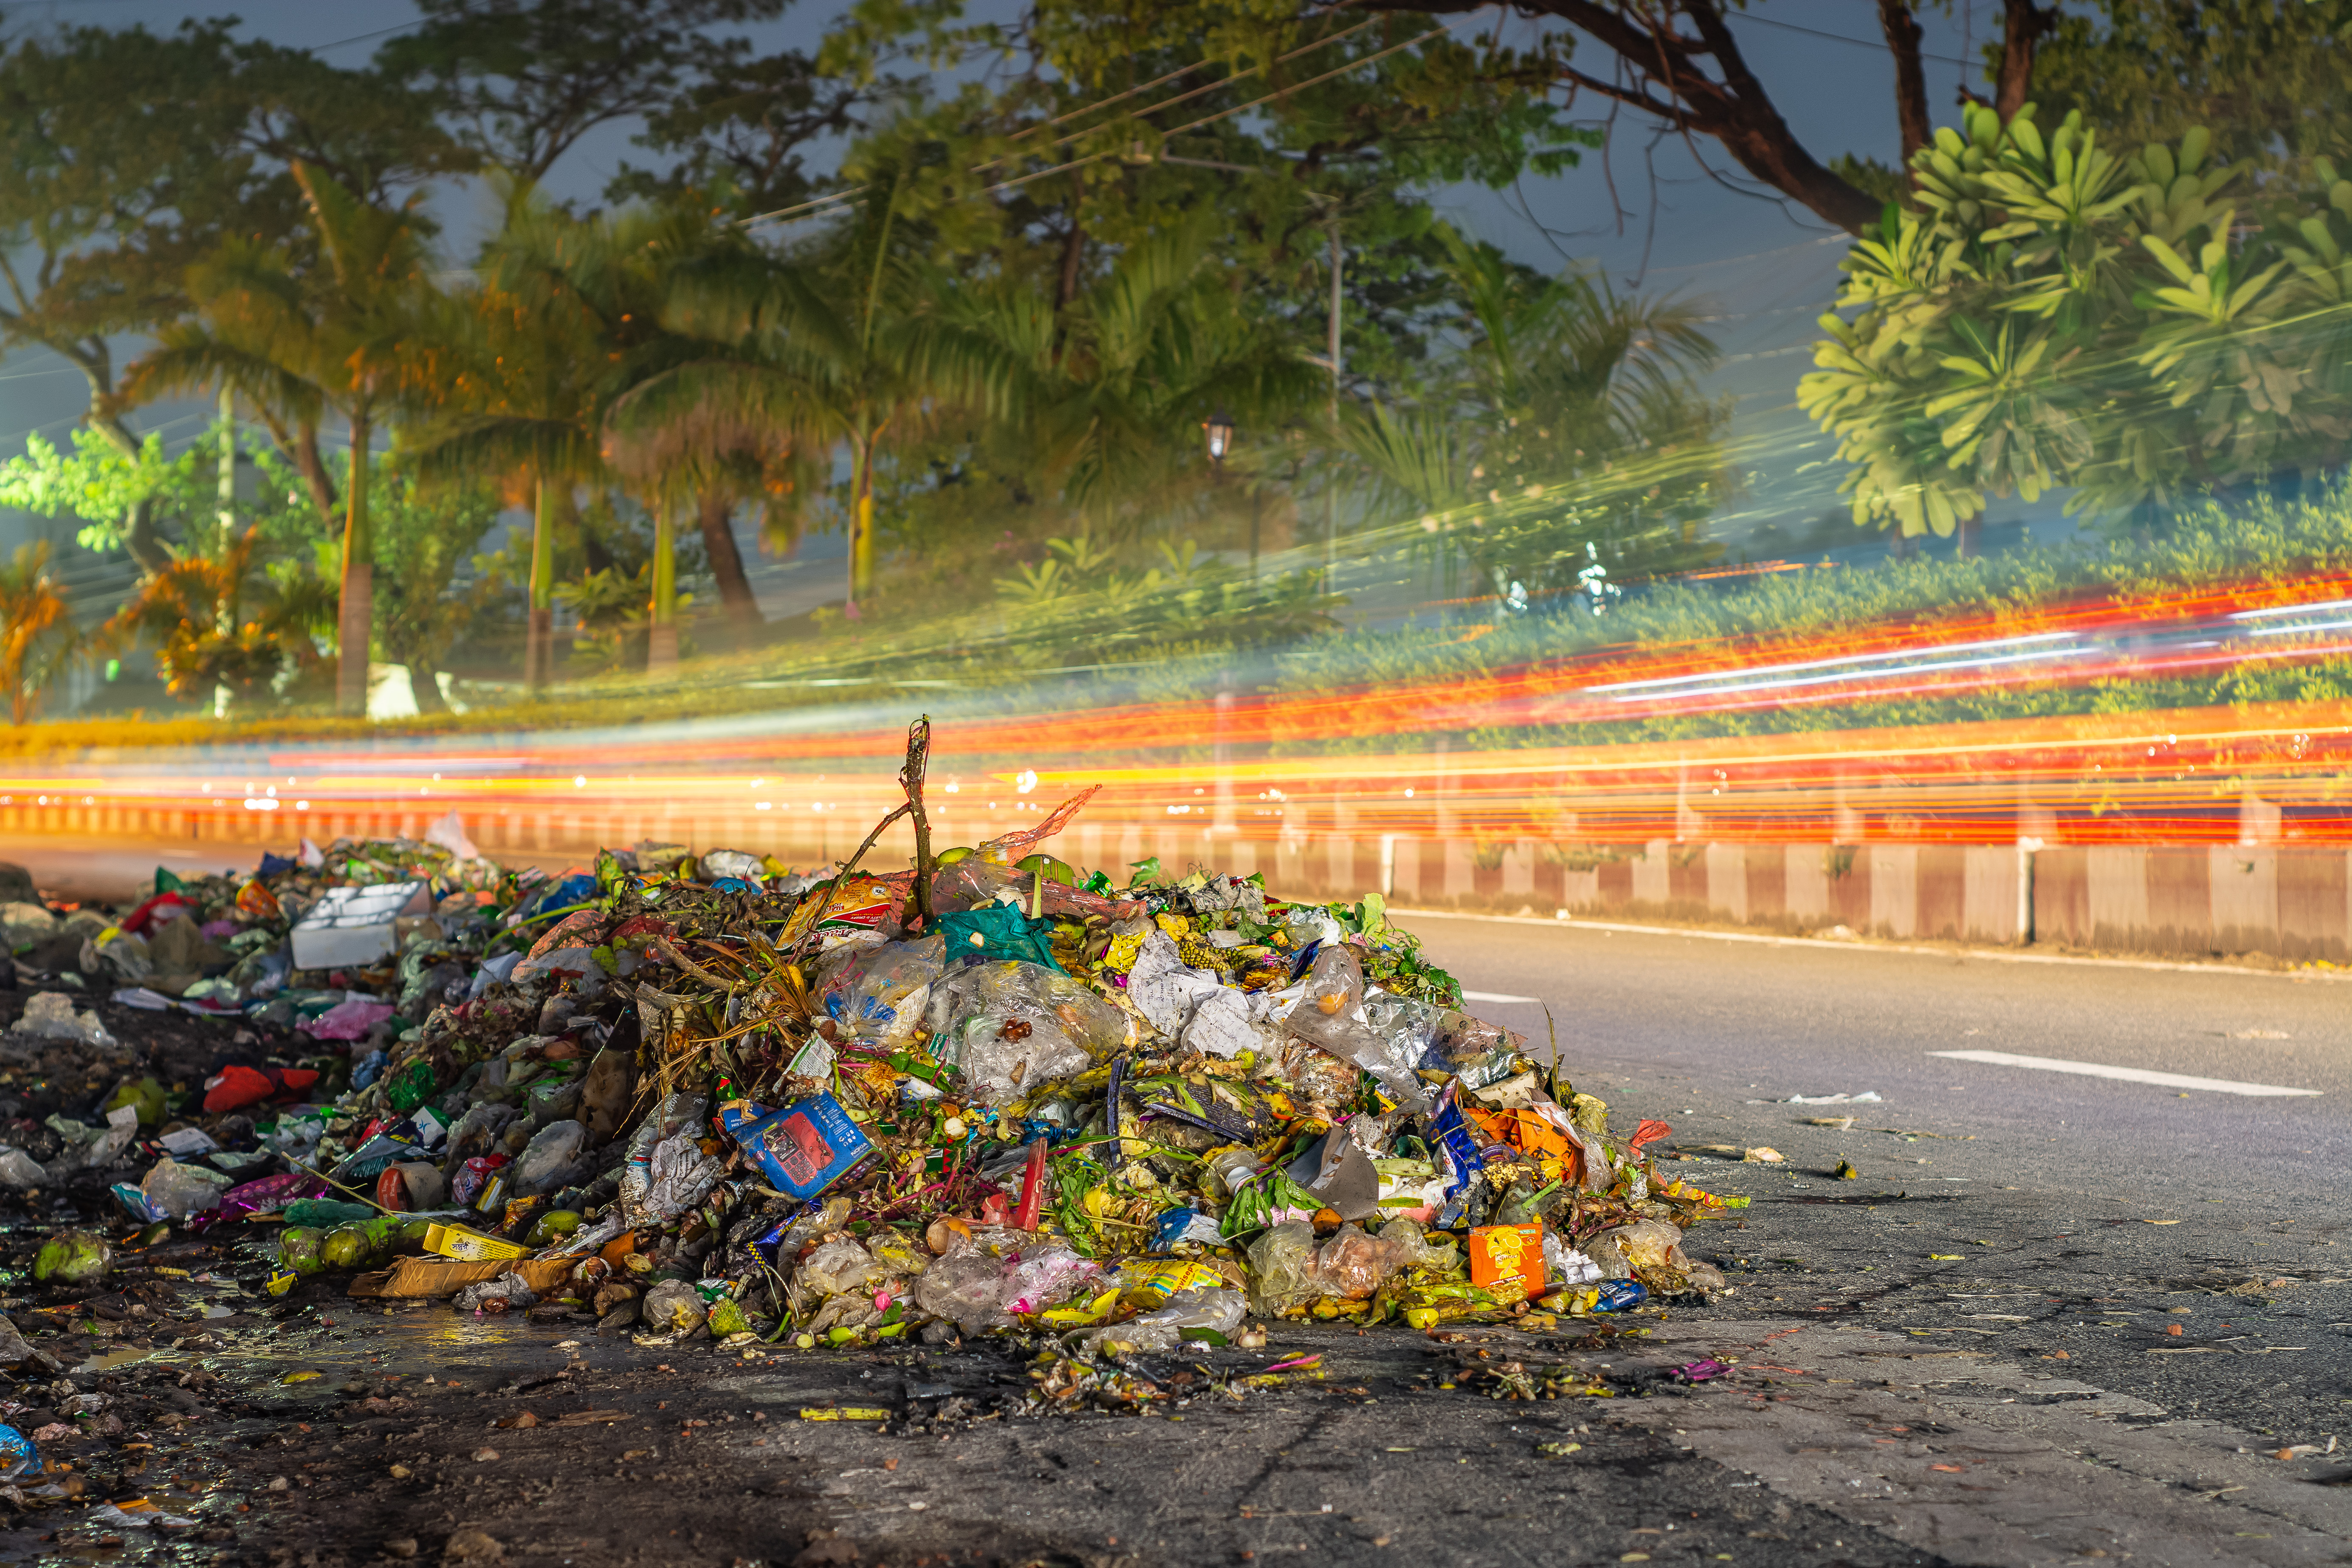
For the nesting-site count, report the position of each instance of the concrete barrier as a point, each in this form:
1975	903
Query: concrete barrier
2291	903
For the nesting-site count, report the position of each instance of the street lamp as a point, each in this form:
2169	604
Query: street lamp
1220	428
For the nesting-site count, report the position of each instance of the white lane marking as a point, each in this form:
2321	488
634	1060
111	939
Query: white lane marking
2129	1074
1493	996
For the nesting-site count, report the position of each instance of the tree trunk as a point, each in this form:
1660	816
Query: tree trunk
2022	25
357	619
717	516
1964	538
861	527
661	640
1902	34
539	636
425	682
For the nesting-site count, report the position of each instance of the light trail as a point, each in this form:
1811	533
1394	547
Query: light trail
1389	761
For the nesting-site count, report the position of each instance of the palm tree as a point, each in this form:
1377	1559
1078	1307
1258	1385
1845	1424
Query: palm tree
1121	383
38	635
848	344
222	622
335	332
1560	385
566	318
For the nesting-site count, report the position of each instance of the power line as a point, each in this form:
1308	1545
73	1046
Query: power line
837	197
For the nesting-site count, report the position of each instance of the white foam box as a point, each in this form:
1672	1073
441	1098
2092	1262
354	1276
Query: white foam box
351	926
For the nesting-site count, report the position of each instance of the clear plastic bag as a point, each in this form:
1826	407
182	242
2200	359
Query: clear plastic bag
1218	1310
1565	1265
1280	1263
1353	1264
1008	1027
507	1293
880	995
985	1279
837	1268
50	1017
1331	1014
179	1191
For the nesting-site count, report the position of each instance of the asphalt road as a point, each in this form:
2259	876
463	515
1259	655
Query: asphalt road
2052	1318
1698	1029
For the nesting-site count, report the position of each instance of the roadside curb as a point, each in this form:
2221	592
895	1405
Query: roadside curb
1863	945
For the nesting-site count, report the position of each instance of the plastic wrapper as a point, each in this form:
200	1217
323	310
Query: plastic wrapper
472	1175
858	912
507	1293
19	1170
178	1191
1212	1311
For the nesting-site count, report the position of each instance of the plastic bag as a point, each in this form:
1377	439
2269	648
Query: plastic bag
878	994
1217	1311
50	1017
1565	1265
548	1158
179	1191
19	1170
1353	1264
837	1268
672	1307
1045	1273
668	1173
1280	1263
1011	1026
988	1277
1330	1014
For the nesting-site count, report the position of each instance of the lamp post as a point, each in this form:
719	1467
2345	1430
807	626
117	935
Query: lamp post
1219	426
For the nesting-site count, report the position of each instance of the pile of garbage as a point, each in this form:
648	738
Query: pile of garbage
701	1094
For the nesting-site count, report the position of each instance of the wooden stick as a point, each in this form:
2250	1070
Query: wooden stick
911	779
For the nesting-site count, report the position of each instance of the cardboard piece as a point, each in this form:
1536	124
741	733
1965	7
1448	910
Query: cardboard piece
419	1278
355	926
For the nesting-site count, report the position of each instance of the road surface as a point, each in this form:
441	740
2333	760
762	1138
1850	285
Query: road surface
2054	1317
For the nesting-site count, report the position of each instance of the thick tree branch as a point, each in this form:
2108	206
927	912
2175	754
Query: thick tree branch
1902	34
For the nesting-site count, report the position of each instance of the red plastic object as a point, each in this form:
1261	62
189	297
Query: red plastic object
1648	1132
161	907
238	1087
1033	1188
391	1190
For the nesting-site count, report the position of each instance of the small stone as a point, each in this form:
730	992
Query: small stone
485	1456
280	1484
403	1547
472	1546
401	1472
